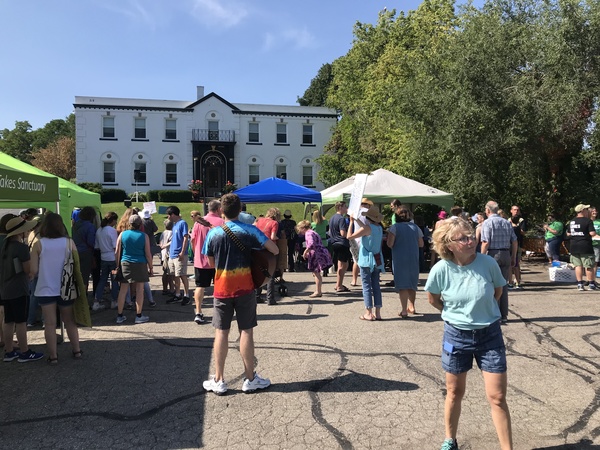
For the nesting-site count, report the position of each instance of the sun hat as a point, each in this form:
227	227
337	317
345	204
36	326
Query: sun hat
373	214
287	213
135	219
17	226
442	215
146	214
366	201
581	207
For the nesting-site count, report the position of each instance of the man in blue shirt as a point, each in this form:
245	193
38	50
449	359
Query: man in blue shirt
178	255
500	242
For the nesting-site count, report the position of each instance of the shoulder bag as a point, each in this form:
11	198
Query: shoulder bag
68	286
262	262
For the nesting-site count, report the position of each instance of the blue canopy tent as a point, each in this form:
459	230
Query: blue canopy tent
277	190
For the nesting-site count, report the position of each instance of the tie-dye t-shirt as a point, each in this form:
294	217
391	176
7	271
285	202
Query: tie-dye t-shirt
233	277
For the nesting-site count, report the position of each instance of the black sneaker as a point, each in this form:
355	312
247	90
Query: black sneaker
30	355
185	301
260	299
174	299
199	318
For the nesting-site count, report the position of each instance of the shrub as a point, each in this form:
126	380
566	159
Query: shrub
112	195
152	195
174	196
92	187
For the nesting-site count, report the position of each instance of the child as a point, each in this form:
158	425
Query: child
316	256
168	281
14	289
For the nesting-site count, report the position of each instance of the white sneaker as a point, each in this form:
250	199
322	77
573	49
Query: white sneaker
97	306
218	387
256	383
142	319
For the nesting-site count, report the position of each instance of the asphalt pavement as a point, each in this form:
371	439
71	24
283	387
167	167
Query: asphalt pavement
337	381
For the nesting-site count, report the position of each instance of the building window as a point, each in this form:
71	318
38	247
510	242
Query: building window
109	172
253	135
140	128
171	173
307	134
253	174
282	133
213	130
139	172
307	175
171	129
108	127
281	171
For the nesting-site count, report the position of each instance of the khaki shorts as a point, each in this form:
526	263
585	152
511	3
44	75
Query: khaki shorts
178	267
586	261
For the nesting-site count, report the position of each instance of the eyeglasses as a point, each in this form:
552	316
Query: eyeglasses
403	211
464	239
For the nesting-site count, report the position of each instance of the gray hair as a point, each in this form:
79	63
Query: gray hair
214	205
492	206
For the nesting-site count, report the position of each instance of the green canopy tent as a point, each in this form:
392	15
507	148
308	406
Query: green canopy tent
71	195
21	187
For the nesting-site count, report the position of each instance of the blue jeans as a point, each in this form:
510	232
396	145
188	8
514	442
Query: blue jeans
106	267
370	287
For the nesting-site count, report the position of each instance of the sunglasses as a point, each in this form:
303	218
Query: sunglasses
464	239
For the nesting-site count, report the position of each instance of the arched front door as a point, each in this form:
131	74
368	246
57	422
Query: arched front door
213	170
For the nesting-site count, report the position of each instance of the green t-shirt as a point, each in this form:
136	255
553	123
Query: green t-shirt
596	242
558	227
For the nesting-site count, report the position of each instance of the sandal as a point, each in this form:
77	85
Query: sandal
363	317
403	316
52	361
315	295
342	289
78	355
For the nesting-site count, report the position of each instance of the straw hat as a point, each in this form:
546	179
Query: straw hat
366	201
17	226
581	207
373	214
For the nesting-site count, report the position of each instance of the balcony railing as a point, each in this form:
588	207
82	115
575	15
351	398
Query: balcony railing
213	135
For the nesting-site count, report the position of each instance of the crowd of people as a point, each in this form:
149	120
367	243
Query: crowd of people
474	260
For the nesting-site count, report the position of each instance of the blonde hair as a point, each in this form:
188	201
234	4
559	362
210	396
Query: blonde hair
195	213
124	221
444	231
303	225
273	213
317	217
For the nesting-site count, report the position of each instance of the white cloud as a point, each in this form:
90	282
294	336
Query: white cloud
219	13
147	13
297	38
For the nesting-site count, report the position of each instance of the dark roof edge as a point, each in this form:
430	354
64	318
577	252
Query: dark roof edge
143	108
218	97
280	113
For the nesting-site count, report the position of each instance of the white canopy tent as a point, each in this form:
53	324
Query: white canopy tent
384	186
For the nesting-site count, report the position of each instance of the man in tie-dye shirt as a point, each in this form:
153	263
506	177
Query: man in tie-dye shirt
234	292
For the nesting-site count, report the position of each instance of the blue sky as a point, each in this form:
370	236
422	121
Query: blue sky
246	51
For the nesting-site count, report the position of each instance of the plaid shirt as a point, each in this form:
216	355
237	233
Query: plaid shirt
498	233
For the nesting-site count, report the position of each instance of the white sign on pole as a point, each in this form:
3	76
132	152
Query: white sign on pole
360	182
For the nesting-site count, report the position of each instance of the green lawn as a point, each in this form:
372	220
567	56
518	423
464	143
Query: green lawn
256	209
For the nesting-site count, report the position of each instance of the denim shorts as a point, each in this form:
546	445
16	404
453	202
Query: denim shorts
56	299
486	345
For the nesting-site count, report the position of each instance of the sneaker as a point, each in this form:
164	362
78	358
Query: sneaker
11	356
509	286
129	305
503	321
218	387
30	355
450	444
260	299
593	286
580	287
199	318
174	299
256	383
185	301
121	319
152	303
97	306
519	287
113	305
142	319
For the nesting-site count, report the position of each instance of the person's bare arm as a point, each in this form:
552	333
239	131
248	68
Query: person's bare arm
272	247
435	300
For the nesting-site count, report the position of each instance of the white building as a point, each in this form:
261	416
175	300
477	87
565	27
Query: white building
164	144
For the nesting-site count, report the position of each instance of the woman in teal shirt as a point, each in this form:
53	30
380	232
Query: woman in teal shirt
466	287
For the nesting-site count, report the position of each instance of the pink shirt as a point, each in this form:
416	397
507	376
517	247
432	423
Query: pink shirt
214	219
198	236
268	226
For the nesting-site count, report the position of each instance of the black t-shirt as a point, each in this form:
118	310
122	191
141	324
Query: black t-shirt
581	241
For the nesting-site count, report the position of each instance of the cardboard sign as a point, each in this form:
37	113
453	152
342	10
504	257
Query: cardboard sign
150	206
358	189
